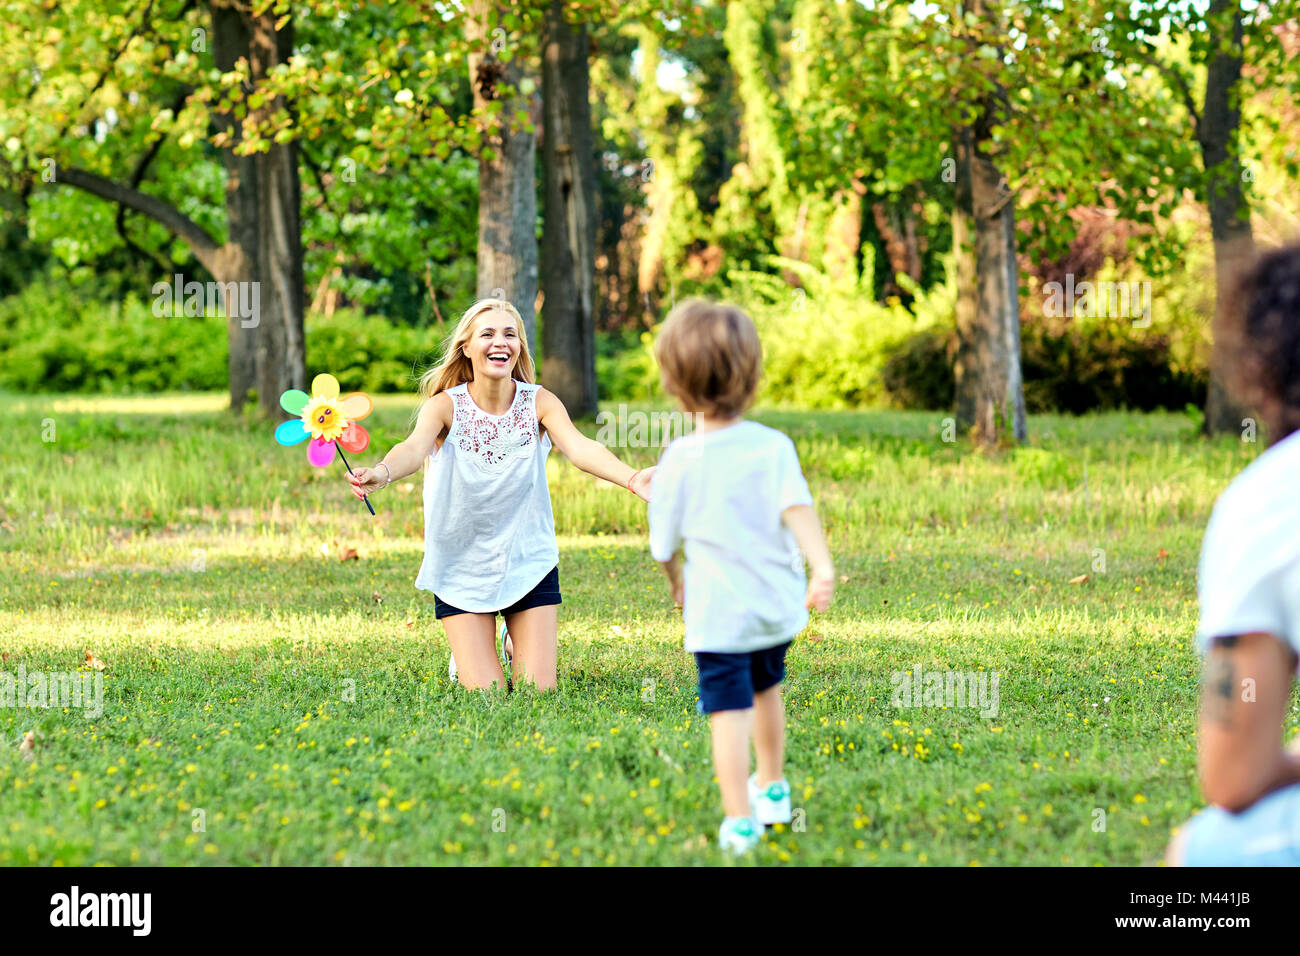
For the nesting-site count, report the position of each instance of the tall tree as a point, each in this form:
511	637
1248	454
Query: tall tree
1218	135
568	225
504	98
1176	40
264	209
994	399
1032	119
91	135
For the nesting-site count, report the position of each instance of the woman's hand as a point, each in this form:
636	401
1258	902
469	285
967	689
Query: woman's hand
641	484
366	481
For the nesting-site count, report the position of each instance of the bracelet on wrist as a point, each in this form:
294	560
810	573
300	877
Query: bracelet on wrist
632	478
387	471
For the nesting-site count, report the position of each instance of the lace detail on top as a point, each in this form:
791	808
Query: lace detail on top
495	441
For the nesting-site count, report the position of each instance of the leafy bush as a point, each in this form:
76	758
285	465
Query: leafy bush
1088	367
919	372
824	346
369	353
827	345
625	367
94	347
53	340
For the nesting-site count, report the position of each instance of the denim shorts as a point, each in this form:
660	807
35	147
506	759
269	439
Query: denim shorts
546	591
730	681
1266	833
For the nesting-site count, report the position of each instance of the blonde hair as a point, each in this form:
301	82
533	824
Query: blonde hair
710	358
456	368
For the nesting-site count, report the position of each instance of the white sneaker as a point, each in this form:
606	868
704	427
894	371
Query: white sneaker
770	804
739	835
505	654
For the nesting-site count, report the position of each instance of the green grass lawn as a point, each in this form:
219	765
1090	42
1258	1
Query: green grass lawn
267	702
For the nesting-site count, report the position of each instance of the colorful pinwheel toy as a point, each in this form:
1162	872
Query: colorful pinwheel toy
329	421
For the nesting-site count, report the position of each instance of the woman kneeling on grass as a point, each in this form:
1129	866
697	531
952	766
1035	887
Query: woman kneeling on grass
489	534
1249	588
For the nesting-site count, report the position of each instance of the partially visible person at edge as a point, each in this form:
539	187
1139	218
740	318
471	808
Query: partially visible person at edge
1249	591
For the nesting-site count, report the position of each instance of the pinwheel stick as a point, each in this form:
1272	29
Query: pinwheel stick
349	468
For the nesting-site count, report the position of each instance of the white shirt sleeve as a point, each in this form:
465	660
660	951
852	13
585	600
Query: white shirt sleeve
793	488
1235	605
665	510
1247	575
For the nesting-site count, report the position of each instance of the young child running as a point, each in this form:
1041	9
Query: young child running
486	428
1249	589
732	496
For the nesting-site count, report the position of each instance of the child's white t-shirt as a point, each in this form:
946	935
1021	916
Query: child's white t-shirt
1249	577
719	496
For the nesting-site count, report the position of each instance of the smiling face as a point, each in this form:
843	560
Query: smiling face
323	419
493	346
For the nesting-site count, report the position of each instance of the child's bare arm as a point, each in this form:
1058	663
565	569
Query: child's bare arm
406	456
673	568
807	530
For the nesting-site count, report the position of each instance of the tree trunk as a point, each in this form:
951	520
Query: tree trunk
281	360
263	253
507	211
844	235
991	351
568	226
230	42
897	227
1230	228
966	363
1015	393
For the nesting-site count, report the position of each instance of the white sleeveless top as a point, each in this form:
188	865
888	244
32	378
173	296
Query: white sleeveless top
489	535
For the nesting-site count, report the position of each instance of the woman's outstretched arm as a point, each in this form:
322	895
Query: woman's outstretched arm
407	455
587	453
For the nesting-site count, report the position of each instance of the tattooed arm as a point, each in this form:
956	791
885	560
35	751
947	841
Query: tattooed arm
1243	700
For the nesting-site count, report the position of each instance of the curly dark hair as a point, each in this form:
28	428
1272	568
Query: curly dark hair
1257	339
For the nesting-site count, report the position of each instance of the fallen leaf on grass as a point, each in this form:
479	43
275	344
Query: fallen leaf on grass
814	638
349	554
1080	579
93	662
1162	554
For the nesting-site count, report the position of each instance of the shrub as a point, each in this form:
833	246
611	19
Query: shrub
54	341
369	353
1084	368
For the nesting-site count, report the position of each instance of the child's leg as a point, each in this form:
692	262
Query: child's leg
769	734
473	642
534	635
731	732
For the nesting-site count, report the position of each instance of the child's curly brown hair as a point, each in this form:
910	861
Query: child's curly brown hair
1257	339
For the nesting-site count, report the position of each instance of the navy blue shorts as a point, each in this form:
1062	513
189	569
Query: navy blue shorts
546	592
730	681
